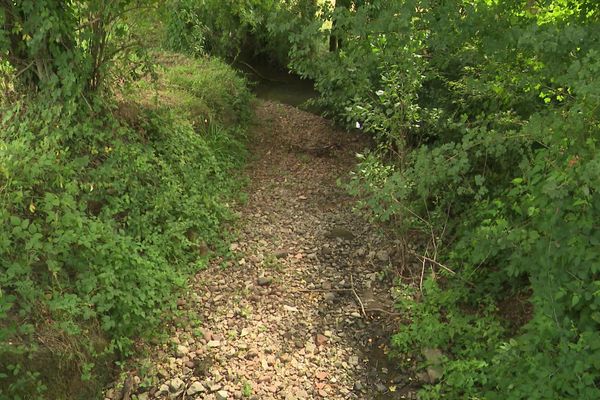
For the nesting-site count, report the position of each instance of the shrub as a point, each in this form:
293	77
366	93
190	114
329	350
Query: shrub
104	215
486	120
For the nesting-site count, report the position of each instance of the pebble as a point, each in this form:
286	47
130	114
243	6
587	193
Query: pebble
293	338
320	339
182	351
195	388
175	385
264	281
329	297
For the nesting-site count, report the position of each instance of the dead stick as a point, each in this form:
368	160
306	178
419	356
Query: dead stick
319	290
362	307
424	258
421	279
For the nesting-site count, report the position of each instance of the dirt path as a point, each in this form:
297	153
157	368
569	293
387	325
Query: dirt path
284	319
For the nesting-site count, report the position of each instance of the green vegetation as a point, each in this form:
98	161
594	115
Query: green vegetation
115	173
115	163
486	118
230	28
486	115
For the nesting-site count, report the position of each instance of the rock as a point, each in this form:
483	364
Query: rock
434	373
329	297
234	246
212	386
381	387
320	339
289	308
281	253
264	281
175	385
163	390
321	375
206	334
353	360
143	396
195	388
182	351
162	373
423	377
339	233
358	386
222	395
213	343
328	334
383	255
433	358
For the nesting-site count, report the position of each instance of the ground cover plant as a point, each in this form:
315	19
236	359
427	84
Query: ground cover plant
115	173
485	115
486	118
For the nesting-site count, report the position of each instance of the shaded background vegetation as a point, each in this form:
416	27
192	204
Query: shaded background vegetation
486	115
116	163
486	118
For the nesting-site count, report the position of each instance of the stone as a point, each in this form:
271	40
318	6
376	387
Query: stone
162	373
264	281
175	385
433	358
320	339
222	395
329	297
182	351
310	347
341	233
358	386
163	390
321	375
279	254
381	387
289	308
383	255
195	388
143	396
212	386
213	343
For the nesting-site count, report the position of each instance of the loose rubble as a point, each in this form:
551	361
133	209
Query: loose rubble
287	322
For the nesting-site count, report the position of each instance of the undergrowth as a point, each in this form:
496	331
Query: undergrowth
104	214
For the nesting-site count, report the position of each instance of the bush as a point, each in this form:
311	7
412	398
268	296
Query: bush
104	216
486	119
230	29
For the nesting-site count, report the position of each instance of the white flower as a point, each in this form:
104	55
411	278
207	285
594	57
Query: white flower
358	125
379	92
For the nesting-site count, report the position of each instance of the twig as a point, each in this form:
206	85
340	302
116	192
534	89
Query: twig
381	310
320	290
24	69
431	260
362	307
421	279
